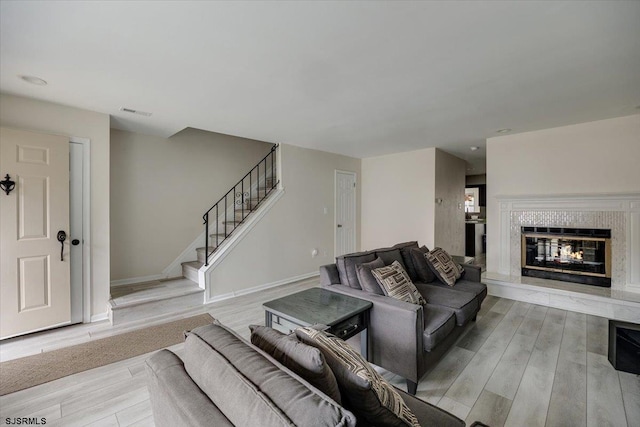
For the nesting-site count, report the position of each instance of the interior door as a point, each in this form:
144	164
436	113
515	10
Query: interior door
34	274
345	213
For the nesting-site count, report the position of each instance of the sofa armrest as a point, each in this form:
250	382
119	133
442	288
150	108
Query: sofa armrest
472	273
428	414
329	275
395	329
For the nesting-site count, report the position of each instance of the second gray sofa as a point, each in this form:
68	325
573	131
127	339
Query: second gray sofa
406	338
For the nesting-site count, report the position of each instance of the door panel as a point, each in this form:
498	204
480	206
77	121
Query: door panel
34	281
345	213
33	207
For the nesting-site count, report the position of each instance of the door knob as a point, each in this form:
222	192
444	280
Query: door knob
75	242
62	236
339	225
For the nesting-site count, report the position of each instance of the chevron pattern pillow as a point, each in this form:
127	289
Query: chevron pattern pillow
370	397
395	283
443	266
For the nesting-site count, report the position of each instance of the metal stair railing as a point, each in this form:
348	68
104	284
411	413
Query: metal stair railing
247	201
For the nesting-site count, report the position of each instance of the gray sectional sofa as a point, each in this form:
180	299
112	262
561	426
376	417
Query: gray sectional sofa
222	380
406	338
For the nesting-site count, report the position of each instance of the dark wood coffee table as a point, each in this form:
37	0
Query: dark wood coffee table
341	315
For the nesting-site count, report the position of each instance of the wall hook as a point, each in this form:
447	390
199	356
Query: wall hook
7	185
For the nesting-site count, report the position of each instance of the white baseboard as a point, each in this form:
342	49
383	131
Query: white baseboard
262	287
100	317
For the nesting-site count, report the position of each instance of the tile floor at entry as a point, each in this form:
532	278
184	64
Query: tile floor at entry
519	365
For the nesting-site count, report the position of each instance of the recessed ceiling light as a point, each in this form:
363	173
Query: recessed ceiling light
132	111
474	148
504	130
34	80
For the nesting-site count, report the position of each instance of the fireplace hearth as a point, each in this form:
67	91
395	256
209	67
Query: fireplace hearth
579	255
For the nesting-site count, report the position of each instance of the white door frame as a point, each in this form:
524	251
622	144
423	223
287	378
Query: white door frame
335	209
86	226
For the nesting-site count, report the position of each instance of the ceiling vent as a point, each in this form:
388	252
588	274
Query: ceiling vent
132	111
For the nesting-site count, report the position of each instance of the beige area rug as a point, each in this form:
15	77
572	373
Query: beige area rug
40	368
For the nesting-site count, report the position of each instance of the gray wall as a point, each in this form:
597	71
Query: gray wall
279	247
160	187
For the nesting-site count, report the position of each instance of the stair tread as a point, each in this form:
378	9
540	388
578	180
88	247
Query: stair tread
193	264
149	292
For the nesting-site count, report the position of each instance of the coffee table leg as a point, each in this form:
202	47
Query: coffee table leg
268	318
364	337
364	344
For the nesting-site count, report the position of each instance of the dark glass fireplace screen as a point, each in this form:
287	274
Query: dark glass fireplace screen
574	255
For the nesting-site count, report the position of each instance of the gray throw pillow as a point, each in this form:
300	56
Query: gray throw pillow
365	277
443	266
423	271
395	283
369	396
304	360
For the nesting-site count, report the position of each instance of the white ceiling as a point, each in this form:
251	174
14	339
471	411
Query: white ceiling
361	79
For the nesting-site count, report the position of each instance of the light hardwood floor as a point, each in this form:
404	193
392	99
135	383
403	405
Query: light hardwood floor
519	365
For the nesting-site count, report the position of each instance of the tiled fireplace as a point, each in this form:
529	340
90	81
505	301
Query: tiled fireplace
617	216
620	214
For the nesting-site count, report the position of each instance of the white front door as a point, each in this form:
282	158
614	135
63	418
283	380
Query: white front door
345	238
34	274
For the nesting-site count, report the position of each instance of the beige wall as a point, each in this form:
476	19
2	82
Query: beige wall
280	245
161	187
588	158
40	116
449	215
398	198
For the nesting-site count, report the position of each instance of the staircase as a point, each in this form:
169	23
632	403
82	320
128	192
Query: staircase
226	226
162	297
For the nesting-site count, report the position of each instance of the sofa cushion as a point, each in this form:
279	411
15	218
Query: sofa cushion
439	321
395	283
247	385
405	251
423	271
168	384
365	277
389	255
304	360
443	266
367	393
347	267
465	304
477	288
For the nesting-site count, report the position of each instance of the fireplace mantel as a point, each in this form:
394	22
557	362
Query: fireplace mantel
620	212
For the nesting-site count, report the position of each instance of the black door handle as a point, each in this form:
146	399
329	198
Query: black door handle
62	236
75	242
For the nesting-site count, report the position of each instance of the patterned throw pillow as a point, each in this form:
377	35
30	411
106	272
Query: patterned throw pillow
370	397
443	266
395	283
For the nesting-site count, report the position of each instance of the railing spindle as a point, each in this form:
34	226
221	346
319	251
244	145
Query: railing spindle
250	207
206	239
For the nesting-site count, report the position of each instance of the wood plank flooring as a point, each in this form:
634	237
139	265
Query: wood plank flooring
519	365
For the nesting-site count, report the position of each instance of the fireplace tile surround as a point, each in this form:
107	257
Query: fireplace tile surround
615	221
618	212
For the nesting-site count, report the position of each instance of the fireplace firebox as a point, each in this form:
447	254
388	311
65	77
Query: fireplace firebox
579	255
